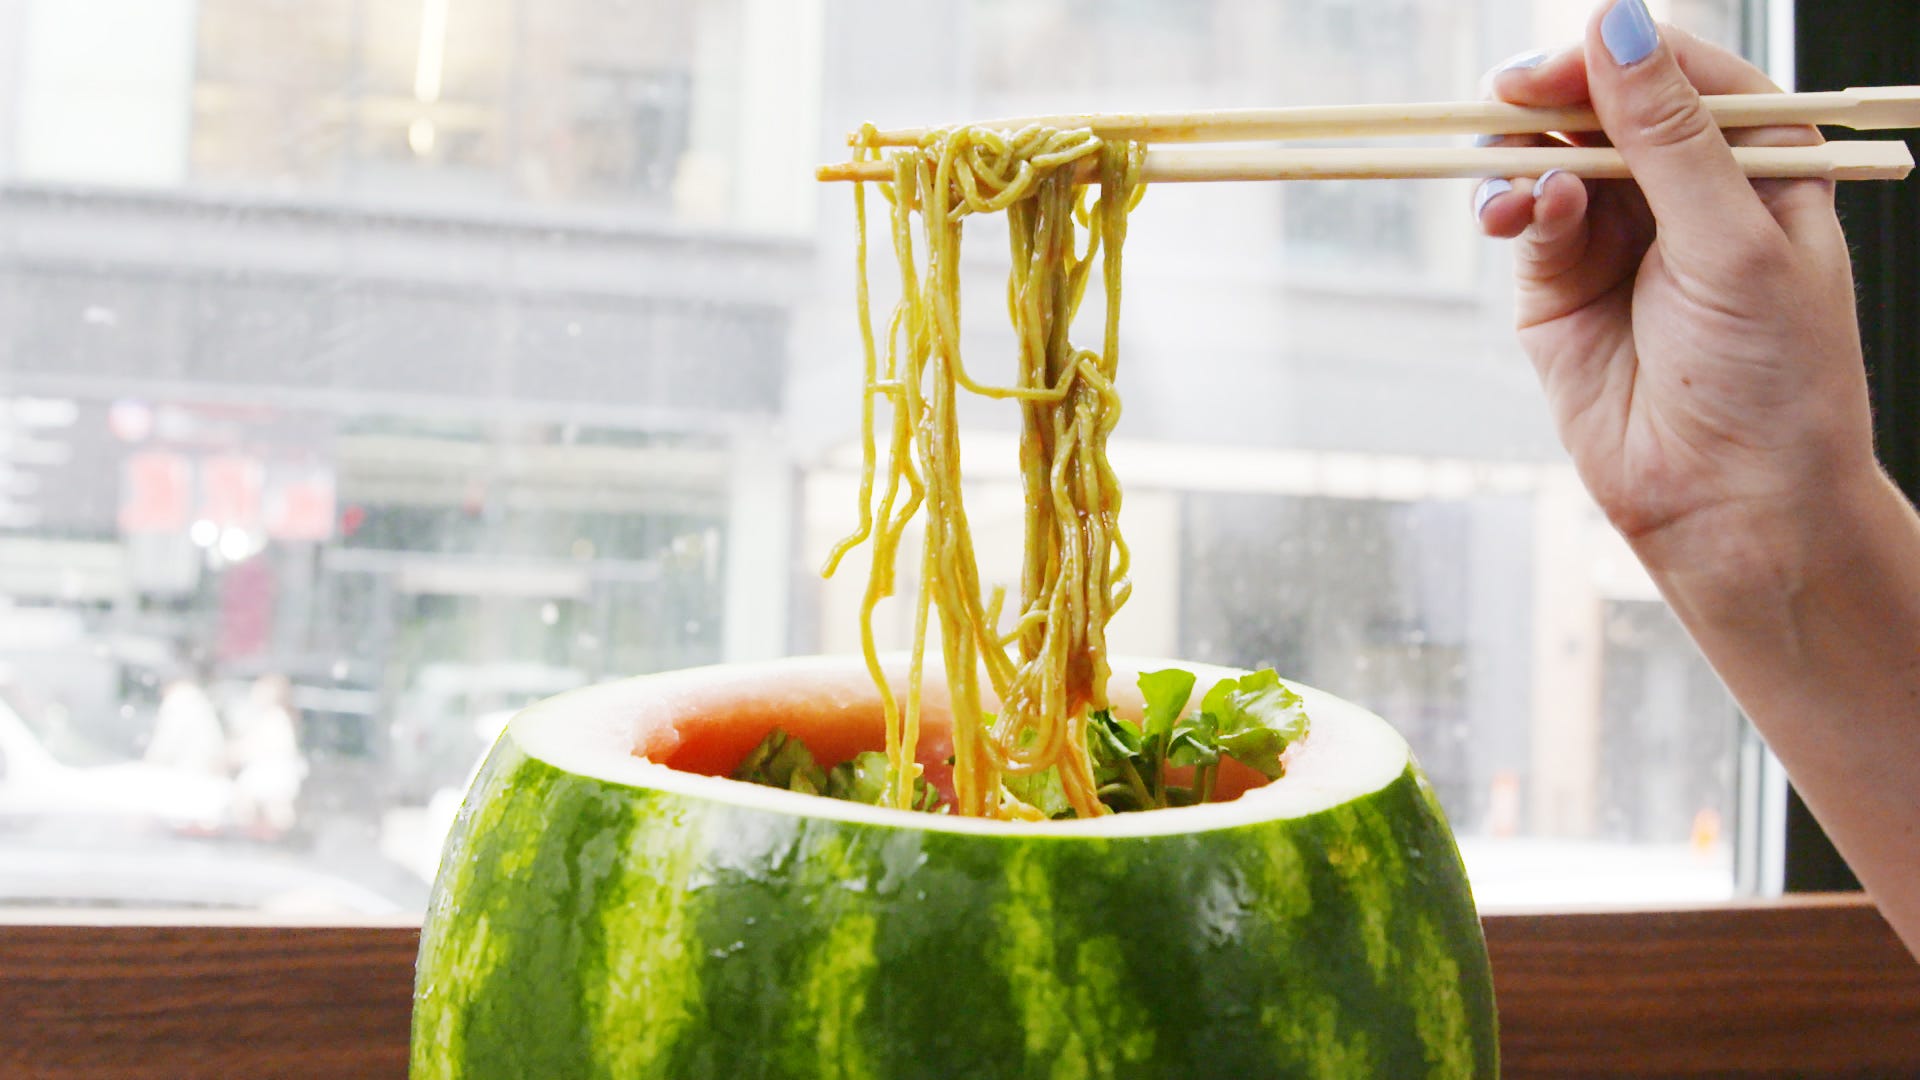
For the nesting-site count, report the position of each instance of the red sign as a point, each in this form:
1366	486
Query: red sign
230	491
300	504
156	490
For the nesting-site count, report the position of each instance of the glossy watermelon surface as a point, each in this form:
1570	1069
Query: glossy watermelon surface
629	920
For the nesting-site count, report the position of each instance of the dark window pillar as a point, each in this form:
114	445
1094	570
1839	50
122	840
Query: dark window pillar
1842	43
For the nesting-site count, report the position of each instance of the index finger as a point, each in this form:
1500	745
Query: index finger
1561	79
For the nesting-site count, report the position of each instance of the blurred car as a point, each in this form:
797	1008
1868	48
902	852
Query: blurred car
37	787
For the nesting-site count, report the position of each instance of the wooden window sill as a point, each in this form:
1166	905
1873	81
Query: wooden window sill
1806	987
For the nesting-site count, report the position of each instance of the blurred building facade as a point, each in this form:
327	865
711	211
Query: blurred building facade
356	339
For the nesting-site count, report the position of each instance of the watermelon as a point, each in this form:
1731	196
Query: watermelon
610	906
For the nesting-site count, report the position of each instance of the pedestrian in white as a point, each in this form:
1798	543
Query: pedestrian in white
186	731
267	752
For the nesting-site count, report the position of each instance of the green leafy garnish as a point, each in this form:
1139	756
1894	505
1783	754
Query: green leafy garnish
1194	744
1256	718
1252	719
861	778
783	761
1119	753
1116	737
1040	790
1166	693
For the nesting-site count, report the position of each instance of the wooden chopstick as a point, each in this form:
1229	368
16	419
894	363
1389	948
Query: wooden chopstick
1879	160
1868	108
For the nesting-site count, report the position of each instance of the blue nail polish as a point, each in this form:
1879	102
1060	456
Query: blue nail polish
1489	190
1517	62
1628	31
1531	59
1540	185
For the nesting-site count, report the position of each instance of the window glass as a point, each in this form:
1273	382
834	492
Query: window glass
371	369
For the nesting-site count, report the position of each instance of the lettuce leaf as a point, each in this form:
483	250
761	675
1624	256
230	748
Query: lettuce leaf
1040	790
1255	719
782	761
861	778
1252	719
1166	693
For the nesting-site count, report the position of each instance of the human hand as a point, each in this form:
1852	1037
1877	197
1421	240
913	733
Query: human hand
1694	330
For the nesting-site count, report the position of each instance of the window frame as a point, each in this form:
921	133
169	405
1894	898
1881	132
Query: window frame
1822	986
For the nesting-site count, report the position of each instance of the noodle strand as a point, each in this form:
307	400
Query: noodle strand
1050	668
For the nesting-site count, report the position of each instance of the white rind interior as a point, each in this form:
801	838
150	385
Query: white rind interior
1348	752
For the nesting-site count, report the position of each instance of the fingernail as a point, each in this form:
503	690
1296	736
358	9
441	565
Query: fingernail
1484	141
1628	31
1540	185
1517	62
1489	190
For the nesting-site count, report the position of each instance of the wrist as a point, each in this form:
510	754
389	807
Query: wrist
1757	567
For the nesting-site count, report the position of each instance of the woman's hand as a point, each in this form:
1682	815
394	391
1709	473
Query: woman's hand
1694	330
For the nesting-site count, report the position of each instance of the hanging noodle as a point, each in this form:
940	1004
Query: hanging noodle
1050	668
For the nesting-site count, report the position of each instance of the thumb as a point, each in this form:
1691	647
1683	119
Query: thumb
1653	115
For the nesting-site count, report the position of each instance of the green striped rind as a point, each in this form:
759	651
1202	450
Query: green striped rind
583	928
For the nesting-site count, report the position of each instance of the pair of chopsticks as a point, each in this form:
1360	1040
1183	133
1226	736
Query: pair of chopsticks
1876	108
